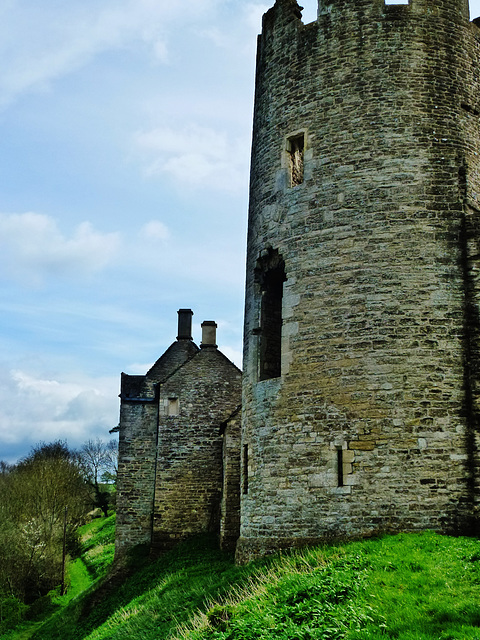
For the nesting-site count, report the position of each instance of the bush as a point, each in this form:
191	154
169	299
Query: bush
12	612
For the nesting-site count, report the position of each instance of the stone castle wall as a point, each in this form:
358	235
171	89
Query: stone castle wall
136	473
230	503
372	423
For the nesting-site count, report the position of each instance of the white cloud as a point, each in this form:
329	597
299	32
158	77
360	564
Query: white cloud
35	408
154	231
196	155
238	36
186	261
32	248
34	252
139	369
474	8
254	12
160	51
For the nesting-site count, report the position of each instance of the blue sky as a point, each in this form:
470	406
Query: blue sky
125	128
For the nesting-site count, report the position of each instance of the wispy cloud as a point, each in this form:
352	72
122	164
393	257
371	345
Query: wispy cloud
240	36
44	41
195	155
95	258
253	13
235	355
32	248
154	231
34	252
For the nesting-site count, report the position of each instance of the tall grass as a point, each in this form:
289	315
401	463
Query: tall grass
410	587
98	545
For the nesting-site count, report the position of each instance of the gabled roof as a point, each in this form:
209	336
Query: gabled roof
174	357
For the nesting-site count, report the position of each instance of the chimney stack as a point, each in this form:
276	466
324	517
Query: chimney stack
185	324
209	334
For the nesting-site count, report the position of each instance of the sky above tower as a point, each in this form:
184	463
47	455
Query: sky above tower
125	129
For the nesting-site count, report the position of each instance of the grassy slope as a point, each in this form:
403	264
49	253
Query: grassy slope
411	587
152	601
96	555
422	586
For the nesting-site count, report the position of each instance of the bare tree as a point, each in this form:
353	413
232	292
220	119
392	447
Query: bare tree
109	474
99	461
5	467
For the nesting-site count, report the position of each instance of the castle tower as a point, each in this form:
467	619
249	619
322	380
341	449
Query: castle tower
361	362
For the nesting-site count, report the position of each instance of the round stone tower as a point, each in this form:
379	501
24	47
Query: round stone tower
362	295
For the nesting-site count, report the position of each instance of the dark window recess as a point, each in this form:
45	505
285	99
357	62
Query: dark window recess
340	467
271	276
295	149
245	468
469	109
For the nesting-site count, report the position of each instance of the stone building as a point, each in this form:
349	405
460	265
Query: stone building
179	434
361	378
361	343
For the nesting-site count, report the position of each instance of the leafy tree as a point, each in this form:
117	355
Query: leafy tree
33	497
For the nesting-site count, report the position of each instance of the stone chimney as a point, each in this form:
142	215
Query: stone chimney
185	324
209	334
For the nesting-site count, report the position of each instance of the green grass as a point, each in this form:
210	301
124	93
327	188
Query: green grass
152	602
98	545
406	587
410	587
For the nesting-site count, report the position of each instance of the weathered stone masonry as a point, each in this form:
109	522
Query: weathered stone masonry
363	265
172	461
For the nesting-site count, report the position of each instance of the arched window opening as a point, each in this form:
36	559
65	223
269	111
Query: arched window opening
270	275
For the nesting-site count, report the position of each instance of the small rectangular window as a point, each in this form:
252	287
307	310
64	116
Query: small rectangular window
295	150
245	468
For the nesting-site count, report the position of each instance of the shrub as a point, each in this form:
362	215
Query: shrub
12	611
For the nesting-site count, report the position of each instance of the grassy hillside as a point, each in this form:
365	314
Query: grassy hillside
409	586
405	586
93	561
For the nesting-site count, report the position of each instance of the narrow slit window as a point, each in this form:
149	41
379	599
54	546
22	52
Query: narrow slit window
340	468
296	153
245	469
